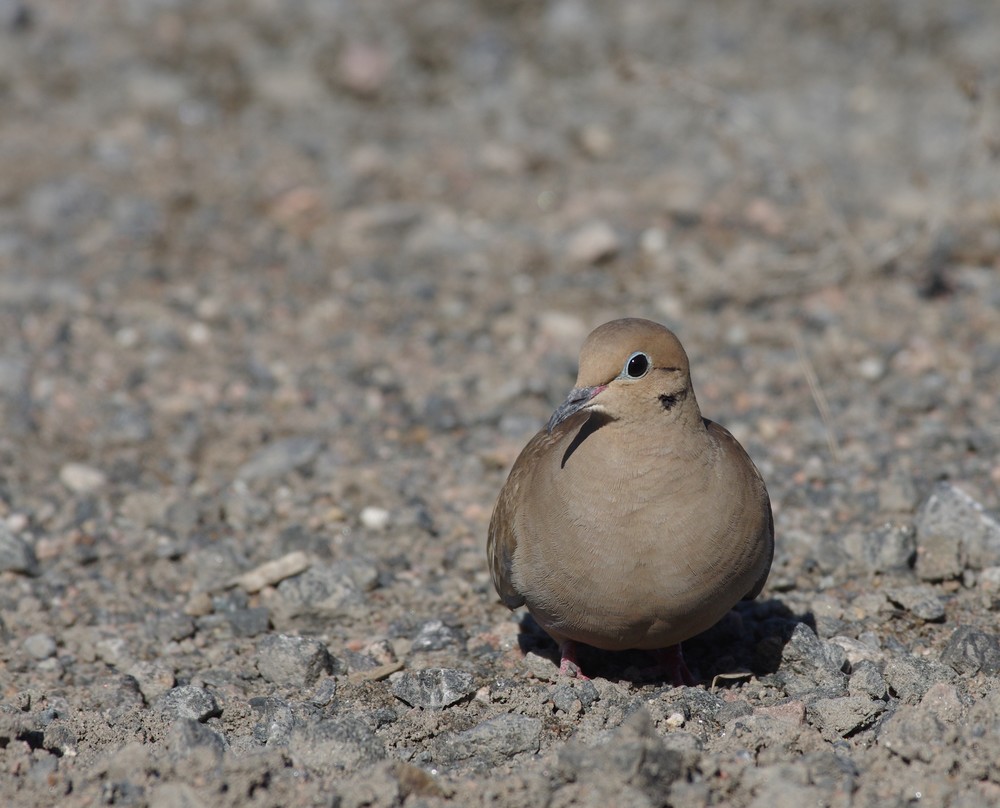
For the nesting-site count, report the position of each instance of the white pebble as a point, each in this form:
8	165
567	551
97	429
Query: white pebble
199	334
592	243
82	479
871	368
374	518
653	240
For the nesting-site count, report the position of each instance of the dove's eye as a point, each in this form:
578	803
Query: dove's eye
637	365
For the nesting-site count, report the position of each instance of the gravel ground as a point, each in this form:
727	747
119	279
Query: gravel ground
285	286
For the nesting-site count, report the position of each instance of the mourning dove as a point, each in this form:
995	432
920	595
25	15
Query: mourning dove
630	521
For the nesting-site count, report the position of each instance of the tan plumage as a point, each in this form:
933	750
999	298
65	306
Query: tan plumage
630	521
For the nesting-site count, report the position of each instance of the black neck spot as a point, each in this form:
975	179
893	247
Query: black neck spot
669	400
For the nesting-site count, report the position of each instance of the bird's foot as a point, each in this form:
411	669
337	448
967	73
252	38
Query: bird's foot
673	667
568	664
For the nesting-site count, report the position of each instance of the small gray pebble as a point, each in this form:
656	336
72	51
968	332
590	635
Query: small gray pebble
432	687
16	555
564	696
951	518
886	548
174	627
39	646
249	622
940	557
118	694
324	693
294	661
970	651
59	737
434	635
242	508
189	738
804	650
920	601
154	679
867	681
808	663
188	701
276	720
279	458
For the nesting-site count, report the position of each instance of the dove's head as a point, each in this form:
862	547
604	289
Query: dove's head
632	370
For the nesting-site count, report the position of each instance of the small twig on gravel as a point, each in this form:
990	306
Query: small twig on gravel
377	674
727	676
819	397
272	572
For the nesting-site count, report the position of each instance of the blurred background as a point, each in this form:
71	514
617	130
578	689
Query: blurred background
389	225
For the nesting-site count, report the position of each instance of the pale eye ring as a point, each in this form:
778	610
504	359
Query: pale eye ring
637	366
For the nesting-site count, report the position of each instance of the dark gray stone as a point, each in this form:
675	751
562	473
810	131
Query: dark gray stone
494	740
249	622
343	743
294	661
432	687
920	601
188	701
16	554
324	693
809	664
804	651
970	651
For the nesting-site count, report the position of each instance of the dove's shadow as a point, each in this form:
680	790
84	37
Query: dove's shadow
749	639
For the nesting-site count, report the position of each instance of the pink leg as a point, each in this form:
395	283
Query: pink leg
568	665
673	666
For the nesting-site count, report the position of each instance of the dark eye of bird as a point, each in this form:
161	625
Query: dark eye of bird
637	365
